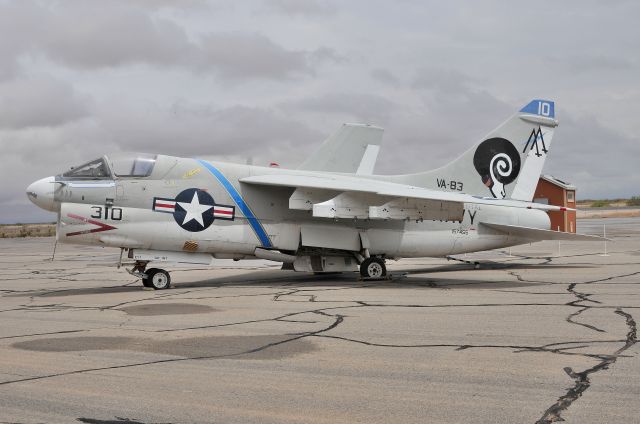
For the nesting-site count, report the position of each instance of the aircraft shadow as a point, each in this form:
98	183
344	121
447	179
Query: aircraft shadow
275	278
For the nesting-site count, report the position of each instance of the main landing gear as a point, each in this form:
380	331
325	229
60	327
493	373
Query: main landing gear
373	268
155	278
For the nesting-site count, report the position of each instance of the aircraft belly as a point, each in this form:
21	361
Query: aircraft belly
284	236
338	237
218	238
425	243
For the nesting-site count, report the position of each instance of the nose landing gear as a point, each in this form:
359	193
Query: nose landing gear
155	278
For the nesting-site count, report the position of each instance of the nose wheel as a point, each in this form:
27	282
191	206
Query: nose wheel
373	268
155	278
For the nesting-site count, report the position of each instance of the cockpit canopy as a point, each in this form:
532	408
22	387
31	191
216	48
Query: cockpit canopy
131	164
119	165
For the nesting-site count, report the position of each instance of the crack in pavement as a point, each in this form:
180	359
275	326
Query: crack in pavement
338	320
582	382
459	347
582	297
44	334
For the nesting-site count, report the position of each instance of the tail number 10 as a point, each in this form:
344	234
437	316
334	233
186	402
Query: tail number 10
544	108
105	212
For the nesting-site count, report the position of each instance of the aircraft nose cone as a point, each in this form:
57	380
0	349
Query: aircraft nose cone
41	193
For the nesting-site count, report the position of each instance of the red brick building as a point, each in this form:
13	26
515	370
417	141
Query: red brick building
553	191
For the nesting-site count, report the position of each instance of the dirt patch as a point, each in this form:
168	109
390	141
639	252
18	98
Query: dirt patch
607	213
153	309
27	230
231	347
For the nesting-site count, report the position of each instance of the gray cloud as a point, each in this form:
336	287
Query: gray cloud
39	102
385	76
238	56
369	108
600	62
301	8
443	80
116	35
14	19
191	129
91	36
87	34
600	160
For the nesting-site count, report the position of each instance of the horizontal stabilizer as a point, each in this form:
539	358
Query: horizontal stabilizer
353	149
538	234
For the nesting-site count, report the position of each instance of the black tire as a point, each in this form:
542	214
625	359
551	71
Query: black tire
158	279
373	268
146	282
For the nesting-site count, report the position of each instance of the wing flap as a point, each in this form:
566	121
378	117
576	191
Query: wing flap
539	234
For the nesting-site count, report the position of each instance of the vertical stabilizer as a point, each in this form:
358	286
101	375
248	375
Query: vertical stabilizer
507	163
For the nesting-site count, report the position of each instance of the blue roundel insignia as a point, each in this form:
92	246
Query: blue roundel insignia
194	209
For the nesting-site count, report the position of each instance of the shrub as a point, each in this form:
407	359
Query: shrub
600	204
634	201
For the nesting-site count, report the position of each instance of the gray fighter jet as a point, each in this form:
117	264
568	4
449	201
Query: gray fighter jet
329	215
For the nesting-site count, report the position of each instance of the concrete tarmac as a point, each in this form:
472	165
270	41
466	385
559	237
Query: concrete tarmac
541	333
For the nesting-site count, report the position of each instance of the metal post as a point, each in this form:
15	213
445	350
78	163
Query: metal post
558	243
55	244
120	260
604	234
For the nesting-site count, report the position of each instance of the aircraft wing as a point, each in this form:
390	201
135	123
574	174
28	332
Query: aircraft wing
353	149
538	234
339	196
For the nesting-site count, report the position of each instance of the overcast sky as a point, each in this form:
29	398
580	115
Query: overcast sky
271	79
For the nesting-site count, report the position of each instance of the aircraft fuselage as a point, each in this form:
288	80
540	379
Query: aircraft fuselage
230	219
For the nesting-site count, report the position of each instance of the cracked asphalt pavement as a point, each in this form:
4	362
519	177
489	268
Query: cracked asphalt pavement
538	334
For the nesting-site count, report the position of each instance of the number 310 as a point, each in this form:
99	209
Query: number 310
114	214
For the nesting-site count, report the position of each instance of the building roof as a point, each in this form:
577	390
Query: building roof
556	181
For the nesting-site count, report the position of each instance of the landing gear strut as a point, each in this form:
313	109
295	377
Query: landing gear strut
155	278
373	267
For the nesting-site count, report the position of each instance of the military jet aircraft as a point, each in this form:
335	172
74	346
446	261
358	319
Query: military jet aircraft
329	215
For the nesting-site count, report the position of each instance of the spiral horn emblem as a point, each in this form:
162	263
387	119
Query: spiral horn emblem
498	163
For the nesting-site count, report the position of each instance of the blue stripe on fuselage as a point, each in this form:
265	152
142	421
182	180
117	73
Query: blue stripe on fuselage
237	198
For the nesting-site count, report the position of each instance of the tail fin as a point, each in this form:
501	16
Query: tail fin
507	163
352	149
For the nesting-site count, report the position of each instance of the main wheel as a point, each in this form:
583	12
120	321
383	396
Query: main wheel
373	268
157	279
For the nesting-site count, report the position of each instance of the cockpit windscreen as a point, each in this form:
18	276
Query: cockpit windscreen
96	169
